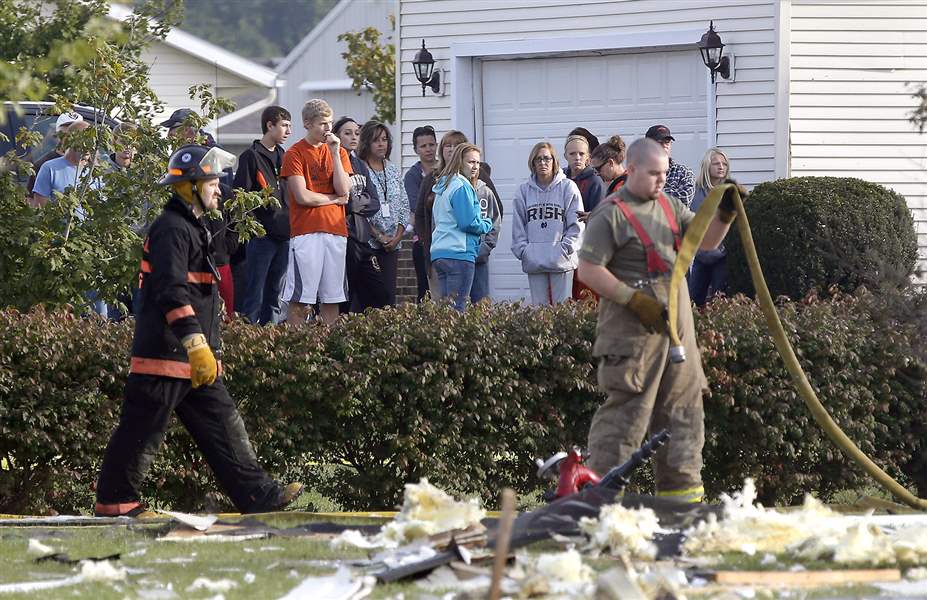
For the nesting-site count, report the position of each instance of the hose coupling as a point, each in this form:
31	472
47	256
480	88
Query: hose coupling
677	354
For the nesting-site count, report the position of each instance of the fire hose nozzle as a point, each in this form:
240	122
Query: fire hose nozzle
677	354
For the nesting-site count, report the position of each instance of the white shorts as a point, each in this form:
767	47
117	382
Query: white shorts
315	269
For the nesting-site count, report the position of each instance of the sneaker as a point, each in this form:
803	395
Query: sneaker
133	510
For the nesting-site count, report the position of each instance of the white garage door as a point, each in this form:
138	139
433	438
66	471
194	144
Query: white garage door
526	101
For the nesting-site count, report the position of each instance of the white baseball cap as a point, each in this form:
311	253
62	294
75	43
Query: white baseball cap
66	119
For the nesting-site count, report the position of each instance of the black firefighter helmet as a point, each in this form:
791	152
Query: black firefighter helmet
194	162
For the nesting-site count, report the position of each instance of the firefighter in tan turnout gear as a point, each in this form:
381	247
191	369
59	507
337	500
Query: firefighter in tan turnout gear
628	251
175	352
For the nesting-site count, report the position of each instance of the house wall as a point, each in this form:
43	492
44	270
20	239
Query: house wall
849	102
173	72
746	109
321	60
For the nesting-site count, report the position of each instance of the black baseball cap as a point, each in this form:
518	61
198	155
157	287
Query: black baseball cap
177	117
660	133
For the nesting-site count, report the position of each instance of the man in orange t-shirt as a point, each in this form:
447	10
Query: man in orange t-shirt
317	188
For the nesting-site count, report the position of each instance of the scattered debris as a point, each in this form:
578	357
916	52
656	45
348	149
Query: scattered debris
37	547
618	584
427	510
341	585
204	583
561	573
354	538
63	558
802	578
750	528
814	532
90	571
36	586
406	555
623	531
101	570
198	522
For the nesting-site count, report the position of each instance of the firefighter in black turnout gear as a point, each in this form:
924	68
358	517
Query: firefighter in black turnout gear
175	364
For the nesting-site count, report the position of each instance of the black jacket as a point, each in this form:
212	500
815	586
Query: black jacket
225	242
363	202
258	168
179	295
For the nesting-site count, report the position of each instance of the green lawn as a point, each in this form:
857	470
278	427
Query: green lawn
275	565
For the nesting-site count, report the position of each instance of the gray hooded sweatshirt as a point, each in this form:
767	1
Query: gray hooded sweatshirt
545	229
489	209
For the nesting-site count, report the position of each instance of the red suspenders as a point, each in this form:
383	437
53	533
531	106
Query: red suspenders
655	264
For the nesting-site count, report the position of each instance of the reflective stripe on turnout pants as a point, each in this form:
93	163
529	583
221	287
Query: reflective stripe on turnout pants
211	417
646	392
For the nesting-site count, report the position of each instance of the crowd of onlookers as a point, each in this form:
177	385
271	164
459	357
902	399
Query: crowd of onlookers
332	246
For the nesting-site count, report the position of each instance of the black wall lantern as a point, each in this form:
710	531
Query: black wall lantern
424	64
712	49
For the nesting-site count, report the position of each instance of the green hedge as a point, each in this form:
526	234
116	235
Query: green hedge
467	400
812	233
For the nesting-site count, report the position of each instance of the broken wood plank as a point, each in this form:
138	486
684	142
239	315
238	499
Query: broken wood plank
802	578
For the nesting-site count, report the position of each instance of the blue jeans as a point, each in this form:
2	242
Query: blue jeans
455	278
704	277
266	269
96	305
480	288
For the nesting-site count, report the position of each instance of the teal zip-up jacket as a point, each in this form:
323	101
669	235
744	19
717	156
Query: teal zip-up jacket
458	220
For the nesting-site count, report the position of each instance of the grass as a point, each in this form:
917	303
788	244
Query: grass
277	564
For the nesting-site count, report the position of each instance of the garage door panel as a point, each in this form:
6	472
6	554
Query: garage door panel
651	80
622	94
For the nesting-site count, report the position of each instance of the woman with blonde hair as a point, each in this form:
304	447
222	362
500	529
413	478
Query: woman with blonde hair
576	152
458	225
546	227
426	197
709	269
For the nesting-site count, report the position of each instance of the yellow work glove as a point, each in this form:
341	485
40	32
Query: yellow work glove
203	366
651	313
727	212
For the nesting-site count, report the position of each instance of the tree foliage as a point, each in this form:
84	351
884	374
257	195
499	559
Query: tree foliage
812	233
371	64
74	54
258	29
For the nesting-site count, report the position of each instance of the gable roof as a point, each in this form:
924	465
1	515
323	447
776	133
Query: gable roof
307	41
210	53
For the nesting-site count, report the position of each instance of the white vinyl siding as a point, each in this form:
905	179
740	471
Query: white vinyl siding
318	59
746	123
851	62
173	73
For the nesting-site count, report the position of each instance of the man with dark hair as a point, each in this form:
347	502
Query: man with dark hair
425	145
259	168
680	181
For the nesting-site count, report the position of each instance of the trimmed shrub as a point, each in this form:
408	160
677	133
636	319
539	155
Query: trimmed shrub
813	233
468	400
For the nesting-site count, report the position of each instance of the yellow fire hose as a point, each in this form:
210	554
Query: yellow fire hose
690	245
